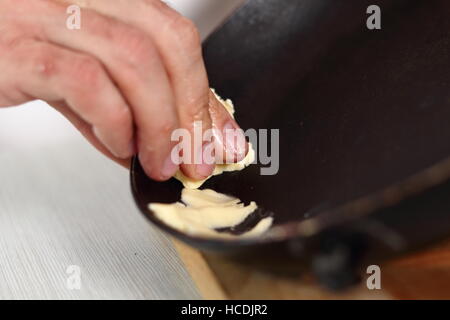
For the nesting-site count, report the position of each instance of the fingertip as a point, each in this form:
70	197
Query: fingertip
169	168
204	170
197	172
156	169
149	166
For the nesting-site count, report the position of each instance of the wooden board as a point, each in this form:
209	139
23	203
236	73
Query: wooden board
423	275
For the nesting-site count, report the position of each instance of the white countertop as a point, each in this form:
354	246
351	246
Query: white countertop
62	203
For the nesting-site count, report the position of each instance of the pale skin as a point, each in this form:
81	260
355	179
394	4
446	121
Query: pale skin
131	75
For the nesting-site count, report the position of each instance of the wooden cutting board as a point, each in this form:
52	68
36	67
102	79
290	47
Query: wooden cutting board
423	275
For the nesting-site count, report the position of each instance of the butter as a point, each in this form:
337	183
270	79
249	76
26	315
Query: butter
200	212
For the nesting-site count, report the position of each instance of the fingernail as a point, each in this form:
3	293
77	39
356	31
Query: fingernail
169	168
206	168
235	141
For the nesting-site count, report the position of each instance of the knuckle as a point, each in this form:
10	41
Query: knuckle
136	47
162	6
86	71
43	62
146	160
120	118
186	33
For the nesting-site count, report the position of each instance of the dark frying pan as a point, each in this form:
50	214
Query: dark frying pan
364	132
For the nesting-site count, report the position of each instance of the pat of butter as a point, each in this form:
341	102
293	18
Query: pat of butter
203	211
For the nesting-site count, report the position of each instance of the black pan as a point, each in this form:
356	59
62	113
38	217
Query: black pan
364	132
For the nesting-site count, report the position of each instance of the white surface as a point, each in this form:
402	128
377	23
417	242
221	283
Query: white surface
62	203
207	14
